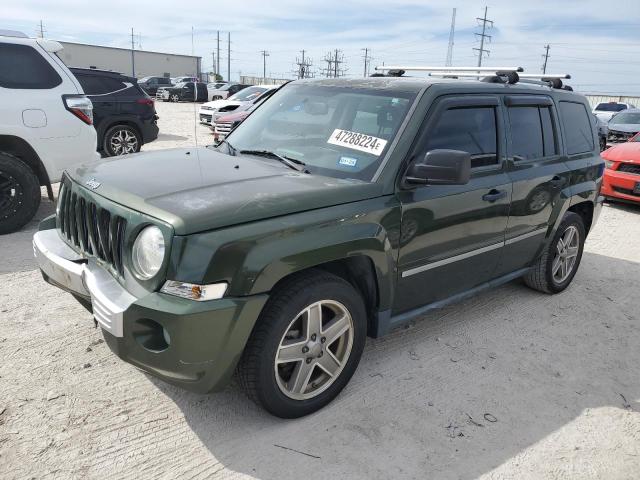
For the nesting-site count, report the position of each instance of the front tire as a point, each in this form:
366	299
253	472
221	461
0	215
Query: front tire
306	345
19	193
174	98
121	140
558	264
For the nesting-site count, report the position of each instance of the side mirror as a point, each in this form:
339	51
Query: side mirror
441	167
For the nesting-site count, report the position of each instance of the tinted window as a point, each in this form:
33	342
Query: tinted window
164	81
21	66
577	127
625	117
96	85
611	107
548	135
471	130
531	132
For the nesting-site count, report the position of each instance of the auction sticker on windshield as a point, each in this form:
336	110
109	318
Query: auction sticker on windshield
357	141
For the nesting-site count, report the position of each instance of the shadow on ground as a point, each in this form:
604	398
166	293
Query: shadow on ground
460	393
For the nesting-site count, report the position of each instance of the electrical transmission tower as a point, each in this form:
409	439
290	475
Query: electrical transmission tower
303	64
484	21
334	60
265	54
449	61
546	58
367	60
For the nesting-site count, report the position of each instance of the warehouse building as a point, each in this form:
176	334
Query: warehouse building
120	60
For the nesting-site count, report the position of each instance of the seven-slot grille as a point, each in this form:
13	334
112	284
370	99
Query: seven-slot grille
632	168
92	229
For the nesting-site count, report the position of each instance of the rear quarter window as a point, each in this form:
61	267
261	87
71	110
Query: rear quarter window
577	127
22	67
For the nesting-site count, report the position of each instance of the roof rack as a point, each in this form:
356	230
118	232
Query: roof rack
508	75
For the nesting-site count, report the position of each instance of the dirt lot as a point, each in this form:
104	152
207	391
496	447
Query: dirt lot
509	384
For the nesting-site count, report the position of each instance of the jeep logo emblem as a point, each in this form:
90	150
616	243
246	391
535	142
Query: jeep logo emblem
92	184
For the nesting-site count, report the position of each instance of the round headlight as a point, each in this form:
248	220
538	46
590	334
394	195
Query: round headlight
148	252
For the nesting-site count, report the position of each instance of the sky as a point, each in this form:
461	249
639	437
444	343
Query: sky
599	46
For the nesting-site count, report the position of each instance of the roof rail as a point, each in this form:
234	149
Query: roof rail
451	70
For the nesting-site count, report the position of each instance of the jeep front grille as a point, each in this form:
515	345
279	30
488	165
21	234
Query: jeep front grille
91	229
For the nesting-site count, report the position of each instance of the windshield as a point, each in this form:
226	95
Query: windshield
625	117
180	85
248	94
341	132
611	107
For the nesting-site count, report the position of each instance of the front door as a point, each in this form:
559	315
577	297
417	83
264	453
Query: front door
452	236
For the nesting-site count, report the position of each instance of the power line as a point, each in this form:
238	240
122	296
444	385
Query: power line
449	60
546	58
483	35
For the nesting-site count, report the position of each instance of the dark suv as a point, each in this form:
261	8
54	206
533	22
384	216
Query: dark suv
340	208
123	114
151	84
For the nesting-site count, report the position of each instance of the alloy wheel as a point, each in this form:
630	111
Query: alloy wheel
11	194
124	141
566	255
314	350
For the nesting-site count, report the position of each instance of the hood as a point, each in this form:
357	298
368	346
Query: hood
218	104
201	189
628	152
625	127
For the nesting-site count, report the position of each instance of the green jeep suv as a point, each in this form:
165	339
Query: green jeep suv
339	209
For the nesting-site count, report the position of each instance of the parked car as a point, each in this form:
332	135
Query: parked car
622	175
244	96
176	80
123	114
606	110
225	91
224	123
45	125
151	84
188	91
340	208
215	85
623	126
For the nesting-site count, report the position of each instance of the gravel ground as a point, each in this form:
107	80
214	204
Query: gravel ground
511	384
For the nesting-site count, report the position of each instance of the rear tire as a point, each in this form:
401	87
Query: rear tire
313	324
19	193
121	140
555	268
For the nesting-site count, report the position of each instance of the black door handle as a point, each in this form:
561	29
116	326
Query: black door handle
494	195
557	181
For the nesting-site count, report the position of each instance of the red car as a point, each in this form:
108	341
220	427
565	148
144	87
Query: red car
223	125
622	175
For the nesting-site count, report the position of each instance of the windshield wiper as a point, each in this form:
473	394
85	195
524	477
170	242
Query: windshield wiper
293	163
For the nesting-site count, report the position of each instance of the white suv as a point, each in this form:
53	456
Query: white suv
45	125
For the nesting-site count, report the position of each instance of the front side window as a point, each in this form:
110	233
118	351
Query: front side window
342	132
577	127
470	129
22	67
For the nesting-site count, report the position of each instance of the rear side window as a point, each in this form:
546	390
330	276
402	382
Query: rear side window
531	132
470	129
21	66
96	85
577	127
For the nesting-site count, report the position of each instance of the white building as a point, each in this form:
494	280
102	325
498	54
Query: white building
120	60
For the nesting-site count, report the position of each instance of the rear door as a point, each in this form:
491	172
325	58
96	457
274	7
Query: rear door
452	236
539	175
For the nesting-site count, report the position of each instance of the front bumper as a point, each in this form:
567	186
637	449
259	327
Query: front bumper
206	116
195	345
620	185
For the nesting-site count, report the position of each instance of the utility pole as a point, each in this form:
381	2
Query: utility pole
213	65
485	21
335	65
265	54
366	61
218	56
41	29
304	66
191	40
228	56
546	57
133	59
449	61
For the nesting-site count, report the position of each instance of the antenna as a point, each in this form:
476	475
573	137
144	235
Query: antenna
449	60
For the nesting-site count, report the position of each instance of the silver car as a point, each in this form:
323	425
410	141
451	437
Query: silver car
624	125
